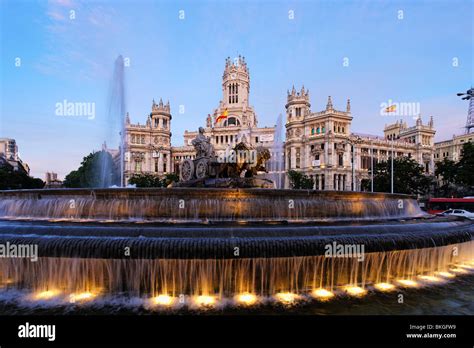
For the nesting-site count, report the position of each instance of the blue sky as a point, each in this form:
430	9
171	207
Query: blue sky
406	60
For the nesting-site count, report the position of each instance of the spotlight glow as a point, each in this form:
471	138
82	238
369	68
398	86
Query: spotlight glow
445	274
81	297
163	300
384	286
431	279
323	294
465	265
286	297
46	295
355	290
459	270
204	300
408	283
247	298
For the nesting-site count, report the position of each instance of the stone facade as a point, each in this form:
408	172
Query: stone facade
148	147
9	155
451	149
320	144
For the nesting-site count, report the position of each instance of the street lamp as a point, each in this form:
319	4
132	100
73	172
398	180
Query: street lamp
371	166
469	95
352	143
391	171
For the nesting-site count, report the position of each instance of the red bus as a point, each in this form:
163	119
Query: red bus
438	205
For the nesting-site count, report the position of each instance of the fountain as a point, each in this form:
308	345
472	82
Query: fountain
223	235
115	125
207	245
276	164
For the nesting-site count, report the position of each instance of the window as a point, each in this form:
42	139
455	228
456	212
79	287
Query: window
156	165
312	131
233	93
256	140
164	162
165	124
143	139
138	166
156	122
341	160
298	112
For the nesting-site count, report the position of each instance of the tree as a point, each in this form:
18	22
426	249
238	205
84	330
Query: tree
409	177
299	180
152	180
465	167
15	180
446	171
96	170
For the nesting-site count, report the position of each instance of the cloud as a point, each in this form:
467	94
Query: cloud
79	39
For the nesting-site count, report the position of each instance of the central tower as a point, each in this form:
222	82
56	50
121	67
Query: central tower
235	95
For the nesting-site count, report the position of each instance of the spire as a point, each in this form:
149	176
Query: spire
293	90
127	118
431	123
329	104
161	103
348	106
419	121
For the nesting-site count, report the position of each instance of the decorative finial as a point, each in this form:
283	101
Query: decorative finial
127	118
348	106
329	104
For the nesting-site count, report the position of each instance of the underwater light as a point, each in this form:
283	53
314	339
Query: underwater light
432	279
355	290
408	283
384	286
286	297
247	298
459	270
323	294
81	297
445	274
204	300
46	295
163	300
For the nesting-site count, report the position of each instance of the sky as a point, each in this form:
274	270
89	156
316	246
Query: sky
372	52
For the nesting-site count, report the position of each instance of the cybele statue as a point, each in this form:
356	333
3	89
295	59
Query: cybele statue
240	168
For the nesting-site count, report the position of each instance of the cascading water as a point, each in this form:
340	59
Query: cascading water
109	174
276	164
163	244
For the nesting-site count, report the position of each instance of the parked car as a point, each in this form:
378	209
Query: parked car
458	212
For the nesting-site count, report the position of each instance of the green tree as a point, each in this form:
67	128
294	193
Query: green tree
465	167
15	180
299	180
409	177
446	171
96	170
152	180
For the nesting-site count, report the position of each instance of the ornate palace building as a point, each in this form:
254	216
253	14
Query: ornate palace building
322	145
148	147
319	144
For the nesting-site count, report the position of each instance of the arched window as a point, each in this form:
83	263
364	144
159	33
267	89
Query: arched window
232	121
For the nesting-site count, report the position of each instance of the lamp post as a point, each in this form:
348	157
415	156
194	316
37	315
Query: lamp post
353	143
391	171
469	95
371	167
